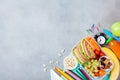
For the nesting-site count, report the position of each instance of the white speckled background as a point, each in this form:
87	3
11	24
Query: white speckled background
32	32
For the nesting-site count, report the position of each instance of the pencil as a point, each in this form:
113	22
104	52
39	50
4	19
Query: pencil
58	70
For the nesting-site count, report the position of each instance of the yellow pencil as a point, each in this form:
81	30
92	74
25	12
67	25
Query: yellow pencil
63	74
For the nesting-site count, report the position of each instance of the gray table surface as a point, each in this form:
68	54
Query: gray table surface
32	32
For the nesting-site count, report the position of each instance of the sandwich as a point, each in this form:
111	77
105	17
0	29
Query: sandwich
84	50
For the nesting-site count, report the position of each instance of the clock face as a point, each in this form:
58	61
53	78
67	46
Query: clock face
101	40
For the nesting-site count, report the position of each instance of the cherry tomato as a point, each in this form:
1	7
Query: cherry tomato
101	72
97	52
96	74
101	54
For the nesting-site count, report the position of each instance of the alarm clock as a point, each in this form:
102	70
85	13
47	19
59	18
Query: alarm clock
100	38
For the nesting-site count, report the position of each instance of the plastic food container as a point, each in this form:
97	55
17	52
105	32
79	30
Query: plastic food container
70	62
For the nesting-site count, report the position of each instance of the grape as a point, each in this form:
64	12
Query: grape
88	70
92	60
92	74
96	70
96	61
91	67
85	67
97	64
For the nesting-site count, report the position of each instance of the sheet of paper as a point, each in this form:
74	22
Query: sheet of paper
54	75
